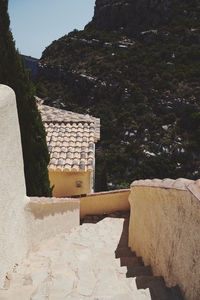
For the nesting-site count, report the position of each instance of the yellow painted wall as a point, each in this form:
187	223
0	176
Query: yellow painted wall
65	183
104	202
165	230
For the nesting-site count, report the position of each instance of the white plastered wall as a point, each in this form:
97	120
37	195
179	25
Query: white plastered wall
12	185
47	217
24	222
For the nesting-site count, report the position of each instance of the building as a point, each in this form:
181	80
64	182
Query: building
71	139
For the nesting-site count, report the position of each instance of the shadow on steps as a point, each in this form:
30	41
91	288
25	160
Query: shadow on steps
97	218
134	264
143	274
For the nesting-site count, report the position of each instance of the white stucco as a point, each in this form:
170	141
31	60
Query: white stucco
24	222
12	185
47	217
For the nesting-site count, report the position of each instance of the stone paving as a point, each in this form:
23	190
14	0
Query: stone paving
75	266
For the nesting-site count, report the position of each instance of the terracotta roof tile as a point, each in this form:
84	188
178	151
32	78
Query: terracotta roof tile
55	115
67	168
70	139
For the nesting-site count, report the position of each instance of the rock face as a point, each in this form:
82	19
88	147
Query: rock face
132	16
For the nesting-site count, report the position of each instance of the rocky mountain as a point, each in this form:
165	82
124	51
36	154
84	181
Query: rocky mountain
133	16
137	67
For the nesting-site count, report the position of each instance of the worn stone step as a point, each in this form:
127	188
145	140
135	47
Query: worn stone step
158	289
124	252
131	261
139	271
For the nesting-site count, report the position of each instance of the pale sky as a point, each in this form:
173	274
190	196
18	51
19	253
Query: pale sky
36	23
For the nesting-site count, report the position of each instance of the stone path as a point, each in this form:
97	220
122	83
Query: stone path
75	266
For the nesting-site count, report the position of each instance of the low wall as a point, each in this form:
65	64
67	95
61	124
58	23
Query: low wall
104	202
46	217
165	230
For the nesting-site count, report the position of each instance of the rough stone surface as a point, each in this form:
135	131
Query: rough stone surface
132	16
77	265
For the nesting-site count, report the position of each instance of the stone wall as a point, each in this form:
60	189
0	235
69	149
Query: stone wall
165	230
104	202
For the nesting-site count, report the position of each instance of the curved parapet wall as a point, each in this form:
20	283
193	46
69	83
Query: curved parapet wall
12	185
165	230
167	183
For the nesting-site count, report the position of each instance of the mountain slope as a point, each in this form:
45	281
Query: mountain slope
133	16
143	85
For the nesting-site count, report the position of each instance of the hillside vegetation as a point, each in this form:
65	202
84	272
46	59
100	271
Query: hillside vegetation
144	86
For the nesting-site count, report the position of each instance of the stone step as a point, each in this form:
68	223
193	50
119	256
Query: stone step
124	252
158	289
68	267
139	271
130	262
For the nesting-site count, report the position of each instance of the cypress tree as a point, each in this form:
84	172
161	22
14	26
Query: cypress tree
33	136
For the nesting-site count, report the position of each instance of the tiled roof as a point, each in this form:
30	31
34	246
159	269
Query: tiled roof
70	140
51	114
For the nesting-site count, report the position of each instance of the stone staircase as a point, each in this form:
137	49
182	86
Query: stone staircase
135	266
92	262
75	266
143	274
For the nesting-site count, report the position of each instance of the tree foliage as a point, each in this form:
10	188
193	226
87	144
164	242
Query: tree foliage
13	74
